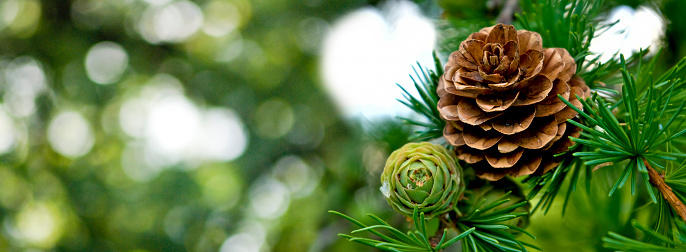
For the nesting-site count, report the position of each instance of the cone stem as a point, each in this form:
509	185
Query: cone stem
658	182
433	241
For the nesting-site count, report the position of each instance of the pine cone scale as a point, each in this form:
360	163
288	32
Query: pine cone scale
552	65
535	91
505	146
492	78
497	102
561	88
453	136
531	63
529	40
514	121
472	51
503	160
504	65
480	139
470	113
540	133
461	59
561	128
502	34
470	77
469	155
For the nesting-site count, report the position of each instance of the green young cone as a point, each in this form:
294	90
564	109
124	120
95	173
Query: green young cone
422	175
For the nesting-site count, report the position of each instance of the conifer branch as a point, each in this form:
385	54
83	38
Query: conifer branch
658	182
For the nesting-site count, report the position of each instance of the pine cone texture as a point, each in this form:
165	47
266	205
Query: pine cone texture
498	96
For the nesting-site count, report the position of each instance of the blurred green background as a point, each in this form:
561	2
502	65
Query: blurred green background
206	125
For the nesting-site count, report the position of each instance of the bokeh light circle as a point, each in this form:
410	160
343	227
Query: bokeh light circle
25	80
70	134
172	23
274	118
222	135
8	132
40	224
269	198
106	62
360	61
221	18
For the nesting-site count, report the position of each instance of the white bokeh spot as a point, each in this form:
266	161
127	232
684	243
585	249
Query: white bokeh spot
173	23
172	124
70	134
269	198
221	18
106	62
222	136
8	132
636	29
168	129
368	51
249	238
25	79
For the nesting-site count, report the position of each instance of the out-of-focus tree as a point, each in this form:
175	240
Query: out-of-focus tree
195	125
167	125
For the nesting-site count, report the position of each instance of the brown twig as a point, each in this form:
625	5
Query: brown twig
444	224
439	233
658	182
507	13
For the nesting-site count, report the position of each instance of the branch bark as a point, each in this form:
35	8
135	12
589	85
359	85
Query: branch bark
658	182
507	13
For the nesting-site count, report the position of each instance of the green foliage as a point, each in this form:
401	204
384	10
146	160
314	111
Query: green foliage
552	182
425	82
601	75
623	243
417	240
569	24
667	222
674	79
676	179
491	233
484	228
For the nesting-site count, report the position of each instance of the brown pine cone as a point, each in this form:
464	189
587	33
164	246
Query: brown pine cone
499	100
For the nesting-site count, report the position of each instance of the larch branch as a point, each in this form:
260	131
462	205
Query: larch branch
658	182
